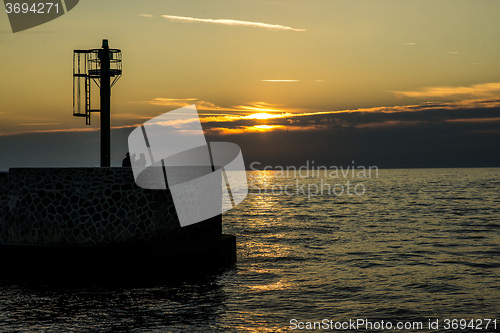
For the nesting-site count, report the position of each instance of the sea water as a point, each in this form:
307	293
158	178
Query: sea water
409	246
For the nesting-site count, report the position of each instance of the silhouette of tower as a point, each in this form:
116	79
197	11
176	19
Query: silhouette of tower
96	66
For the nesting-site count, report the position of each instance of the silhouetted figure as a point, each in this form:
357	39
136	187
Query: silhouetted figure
126	161
142	160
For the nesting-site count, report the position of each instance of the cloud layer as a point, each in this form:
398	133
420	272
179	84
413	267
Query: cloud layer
448	134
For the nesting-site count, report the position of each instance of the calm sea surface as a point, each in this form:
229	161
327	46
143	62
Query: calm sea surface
419	244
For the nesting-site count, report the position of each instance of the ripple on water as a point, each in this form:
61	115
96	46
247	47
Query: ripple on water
420	244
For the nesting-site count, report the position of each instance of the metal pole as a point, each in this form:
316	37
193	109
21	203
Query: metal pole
105	105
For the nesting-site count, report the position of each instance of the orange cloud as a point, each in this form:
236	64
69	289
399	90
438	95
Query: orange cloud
482	90
261	128
202	105
289	120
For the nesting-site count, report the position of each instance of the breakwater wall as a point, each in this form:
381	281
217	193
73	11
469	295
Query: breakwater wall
90	206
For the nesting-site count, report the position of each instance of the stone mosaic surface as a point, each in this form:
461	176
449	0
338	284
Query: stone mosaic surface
89	206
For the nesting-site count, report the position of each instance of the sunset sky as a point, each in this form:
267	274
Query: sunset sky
389	82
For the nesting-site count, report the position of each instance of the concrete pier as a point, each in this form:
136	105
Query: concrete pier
97	219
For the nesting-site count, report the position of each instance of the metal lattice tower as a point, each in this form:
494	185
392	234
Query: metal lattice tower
96	67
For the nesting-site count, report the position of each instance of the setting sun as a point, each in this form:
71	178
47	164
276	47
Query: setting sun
263	116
